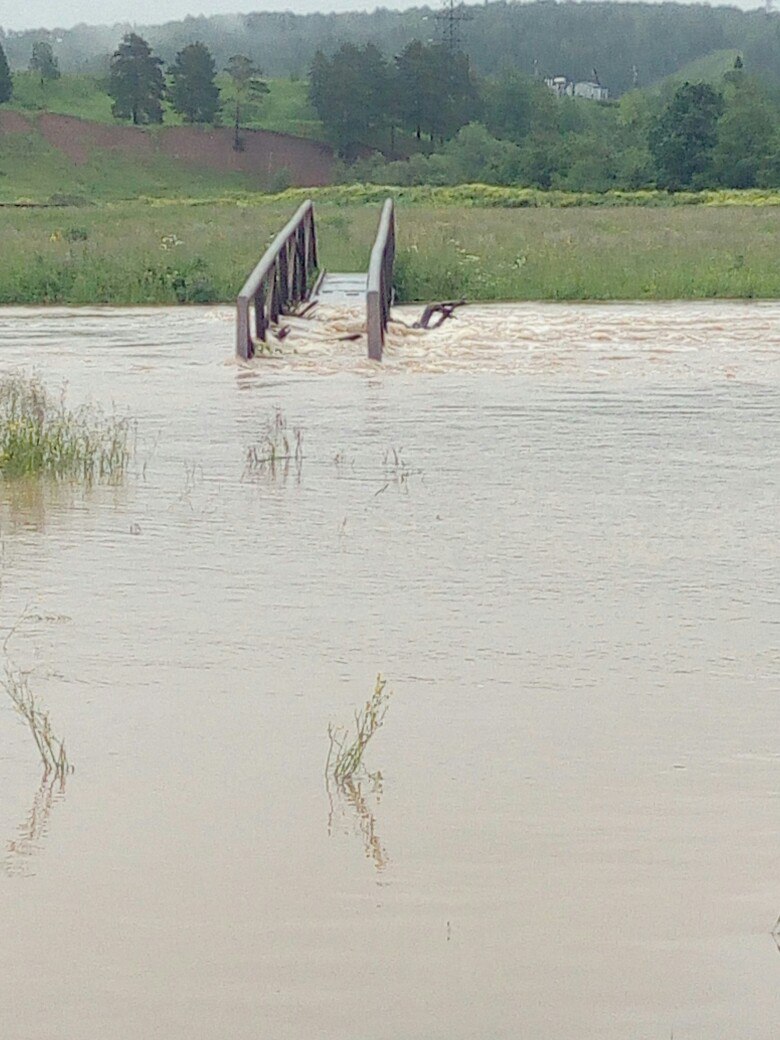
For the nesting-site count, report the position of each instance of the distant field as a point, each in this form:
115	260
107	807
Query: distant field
284	109
130	253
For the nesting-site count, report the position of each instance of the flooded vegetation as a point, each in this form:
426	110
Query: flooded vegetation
41	437
276	450
552	529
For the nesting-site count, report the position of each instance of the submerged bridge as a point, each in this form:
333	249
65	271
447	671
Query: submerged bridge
288	279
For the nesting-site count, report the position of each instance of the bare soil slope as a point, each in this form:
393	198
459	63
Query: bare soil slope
265	153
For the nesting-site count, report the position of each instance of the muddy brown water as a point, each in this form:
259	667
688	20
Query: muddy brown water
570	579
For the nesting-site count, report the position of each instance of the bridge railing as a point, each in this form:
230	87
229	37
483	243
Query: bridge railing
281	279
379	286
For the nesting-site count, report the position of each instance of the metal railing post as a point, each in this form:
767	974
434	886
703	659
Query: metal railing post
244	345
379	285
282	277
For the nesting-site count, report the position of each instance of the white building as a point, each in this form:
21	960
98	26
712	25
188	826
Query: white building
591	91
561	86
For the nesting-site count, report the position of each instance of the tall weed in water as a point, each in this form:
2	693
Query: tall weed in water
345	753
50	748
344	766
42	436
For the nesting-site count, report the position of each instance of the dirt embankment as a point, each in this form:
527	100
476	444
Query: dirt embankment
308	163
13	123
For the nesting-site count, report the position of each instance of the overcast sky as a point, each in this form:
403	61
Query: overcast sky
33	14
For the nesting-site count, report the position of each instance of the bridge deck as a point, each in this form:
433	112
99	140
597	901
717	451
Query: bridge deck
340	289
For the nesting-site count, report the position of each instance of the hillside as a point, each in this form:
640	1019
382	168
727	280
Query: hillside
50	155
629	43
709	69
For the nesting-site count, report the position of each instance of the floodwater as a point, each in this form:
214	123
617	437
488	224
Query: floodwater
554	530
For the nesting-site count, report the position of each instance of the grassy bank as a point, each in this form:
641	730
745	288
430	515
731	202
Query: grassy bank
32	171
158	253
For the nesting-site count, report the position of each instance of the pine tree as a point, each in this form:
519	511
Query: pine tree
247	87
353	96
683	136
43	62
136	82
435	91
193	92
6	83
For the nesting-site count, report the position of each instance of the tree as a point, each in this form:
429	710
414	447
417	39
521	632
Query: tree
682	138
247	87
435	90
746	136
193	91
515	105
509	105
414	100
43	62
351	93
474	155
136	82
6	83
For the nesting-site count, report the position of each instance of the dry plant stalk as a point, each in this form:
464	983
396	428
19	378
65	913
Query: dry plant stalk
345	756
277	449
50	748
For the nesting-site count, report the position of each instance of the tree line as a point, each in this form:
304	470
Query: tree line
360	97
454	127
631	44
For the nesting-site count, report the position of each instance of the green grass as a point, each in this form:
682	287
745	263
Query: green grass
285	108
159	252
591	254
132	253
80	96
41	436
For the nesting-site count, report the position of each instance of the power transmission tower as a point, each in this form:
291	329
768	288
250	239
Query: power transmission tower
451	19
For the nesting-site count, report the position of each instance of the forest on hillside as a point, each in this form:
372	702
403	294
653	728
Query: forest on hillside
426	118
630	44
